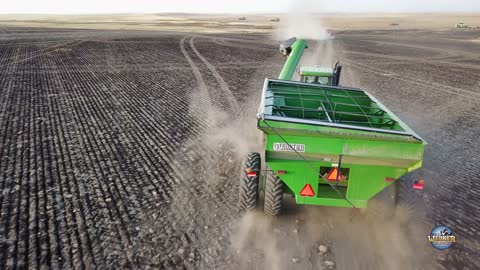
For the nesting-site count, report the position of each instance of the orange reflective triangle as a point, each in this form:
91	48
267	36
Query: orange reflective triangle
332	176
307	191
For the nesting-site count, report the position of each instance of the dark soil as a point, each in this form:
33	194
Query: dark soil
105	160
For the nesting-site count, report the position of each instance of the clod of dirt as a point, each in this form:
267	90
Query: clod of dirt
322	249
329	263
180	251
191	257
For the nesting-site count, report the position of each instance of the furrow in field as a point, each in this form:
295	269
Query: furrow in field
13	180
71	198
81	102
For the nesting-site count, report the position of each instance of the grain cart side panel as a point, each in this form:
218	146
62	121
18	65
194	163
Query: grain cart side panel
369	171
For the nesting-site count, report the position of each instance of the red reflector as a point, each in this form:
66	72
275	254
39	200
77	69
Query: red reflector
307	191
388	179
281	172
332	176
251	174
418	184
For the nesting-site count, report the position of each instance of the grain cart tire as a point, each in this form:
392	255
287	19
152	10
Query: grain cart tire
248	189
398	199
407	200
273	194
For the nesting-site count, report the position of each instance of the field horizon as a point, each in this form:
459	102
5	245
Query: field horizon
239	23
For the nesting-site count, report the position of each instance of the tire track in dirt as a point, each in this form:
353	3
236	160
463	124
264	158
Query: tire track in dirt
201	86
234	106
194	208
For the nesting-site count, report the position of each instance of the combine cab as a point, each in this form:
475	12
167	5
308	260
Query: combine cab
325	144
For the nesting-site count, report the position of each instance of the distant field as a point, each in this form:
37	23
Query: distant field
233	23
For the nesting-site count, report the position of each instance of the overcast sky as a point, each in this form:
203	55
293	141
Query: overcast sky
244	6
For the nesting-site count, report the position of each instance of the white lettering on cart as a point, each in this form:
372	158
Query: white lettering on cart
288	147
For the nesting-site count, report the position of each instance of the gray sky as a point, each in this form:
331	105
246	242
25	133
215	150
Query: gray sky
243	6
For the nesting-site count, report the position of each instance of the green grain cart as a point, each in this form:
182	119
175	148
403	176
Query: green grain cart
326	144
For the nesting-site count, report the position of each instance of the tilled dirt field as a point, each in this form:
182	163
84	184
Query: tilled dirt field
120	149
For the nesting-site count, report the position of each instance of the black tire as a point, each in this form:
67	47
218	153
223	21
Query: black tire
408	201
273	194
398	199
405	194
248	189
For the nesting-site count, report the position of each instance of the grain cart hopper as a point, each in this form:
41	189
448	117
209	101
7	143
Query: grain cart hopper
325	144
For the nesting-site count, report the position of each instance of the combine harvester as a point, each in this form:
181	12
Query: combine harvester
326	144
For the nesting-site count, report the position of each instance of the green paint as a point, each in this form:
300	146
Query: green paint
316	71
293	59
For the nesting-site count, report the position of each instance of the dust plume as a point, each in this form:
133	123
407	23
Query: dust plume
260	241
203	205
312	237
191	227
304	20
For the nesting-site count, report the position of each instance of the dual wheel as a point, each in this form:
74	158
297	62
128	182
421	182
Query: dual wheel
250	186
398	196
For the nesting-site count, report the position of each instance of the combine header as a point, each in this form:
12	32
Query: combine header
325	144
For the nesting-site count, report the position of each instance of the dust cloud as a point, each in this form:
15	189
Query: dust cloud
192	226
309	237
304	20
203	207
